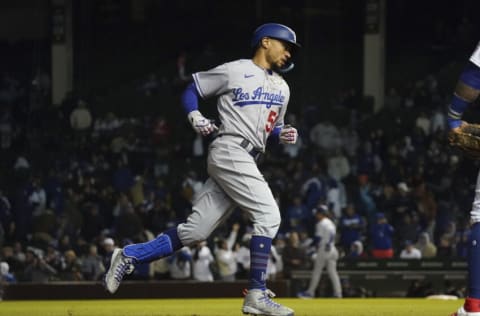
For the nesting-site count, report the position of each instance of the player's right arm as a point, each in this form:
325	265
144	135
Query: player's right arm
213	82
200	124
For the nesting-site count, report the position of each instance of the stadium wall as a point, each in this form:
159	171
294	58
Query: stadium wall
360	278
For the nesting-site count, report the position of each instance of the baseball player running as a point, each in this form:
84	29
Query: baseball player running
467	91
252	99
327	255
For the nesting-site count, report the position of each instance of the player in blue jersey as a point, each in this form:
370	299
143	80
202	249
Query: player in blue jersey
467	91
252	99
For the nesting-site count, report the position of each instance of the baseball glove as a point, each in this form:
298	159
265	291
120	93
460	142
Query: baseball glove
467	139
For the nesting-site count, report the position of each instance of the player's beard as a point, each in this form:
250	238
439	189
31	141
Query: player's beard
283	67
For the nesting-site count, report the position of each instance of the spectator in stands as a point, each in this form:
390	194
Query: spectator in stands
37	197
151	86
41	83
71	268
123	177
225	255
92	264
427	249
16	265
81	120
326	136
242	255
364	197
7	225
408	229
403	203
381	234
202	262
338	165
161	131
94	221
53	256
352	227
423	122
409	251
367	161
108	245
350	140
106	126
36	269
314	188
128	224
294	257
445	248
426	205
356	251
393	101
297	215
438	121
180	264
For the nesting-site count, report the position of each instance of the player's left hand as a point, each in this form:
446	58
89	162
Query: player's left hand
288	135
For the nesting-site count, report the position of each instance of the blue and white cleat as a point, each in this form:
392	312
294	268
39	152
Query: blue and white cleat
119	266
259	302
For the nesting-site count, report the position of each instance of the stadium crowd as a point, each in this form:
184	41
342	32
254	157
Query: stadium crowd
75	184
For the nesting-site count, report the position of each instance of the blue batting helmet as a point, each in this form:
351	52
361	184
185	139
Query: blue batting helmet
276	31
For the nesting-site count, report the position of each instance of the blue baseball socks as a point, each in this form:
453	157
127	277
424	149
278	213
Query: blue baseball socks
162	246
259	254
472	302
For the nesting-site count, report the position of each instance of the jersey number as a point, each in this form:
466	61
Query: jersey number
270	121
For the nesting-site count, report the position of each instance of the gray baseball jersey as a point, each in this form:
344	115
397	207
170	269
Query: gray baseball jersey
252	101
475	58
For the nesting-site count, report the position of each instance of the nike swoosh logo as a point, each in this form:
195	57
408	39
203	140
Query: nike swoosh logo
248	76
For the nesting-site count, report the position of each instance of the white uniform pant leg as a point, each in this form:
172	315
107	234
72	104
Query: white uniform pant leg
475	212
333	273
236	172
318	266
209	210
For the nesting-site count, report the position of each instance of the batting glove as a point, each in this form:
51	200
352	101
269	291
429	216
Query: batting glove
288	135
201	124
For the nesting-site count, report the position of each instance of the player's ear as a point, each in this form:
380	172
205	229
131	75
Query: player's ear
265	42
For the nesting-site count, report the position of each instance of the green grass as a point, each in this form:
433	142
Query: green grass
217	307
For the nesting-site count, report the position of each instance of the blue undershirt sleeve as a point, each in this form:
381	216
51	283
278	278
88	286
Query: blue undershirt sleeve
275	134
189	98
471	77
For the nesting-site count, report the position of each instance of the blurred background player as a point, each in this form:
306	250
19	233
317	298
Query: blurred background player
467	91
327	254
252	99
